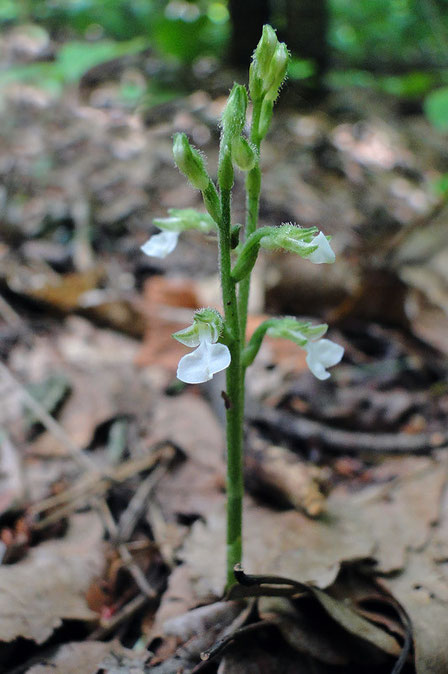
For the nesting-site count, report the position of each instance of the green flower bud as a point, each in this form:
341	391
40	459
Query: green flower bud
267	108
265	50
190	162
243	154
277	71
233	117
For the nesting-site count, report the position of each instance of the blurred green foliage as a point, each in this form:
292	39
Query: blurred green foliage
436	108
397	46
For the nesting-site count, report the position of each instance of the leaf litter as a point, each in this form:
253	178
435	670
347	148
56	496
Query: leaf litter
361	536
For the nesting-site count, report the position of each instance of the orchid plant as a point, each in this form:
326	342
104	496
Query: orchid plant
219	342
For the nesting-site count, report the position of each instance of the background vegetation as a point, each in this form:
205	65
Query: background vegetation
398	46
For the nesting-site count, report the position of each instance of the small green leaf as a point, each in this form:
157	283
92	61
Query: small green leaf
436	108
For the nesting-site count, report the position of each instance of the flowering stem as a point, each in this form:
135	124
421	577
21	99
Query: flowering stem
253	185
235	402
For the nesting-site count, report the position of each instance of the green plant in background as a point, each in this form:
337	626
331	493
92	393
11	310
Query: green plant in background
220	343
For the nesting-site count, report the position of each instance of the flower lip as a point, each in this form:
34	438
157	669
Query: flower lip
160	245
205	361
322	354
323	253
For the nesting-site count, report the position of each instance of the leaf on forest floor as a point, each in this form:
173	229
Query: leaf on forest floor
191	488
12	486
400	512
89	657
198	630
355	624
327	629
381	522
281	543
49	585
422	588
168	305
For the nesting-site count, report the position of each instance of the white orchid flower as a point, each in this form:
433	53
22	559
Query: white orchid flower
209	357
322	354
205	361
160	245
323	253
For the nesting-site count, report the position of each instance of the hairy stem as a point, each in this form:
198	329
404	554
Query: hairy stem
235	399
252	204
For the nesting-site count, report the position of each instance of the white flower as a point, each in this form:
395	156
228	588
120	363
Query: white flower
322	354
323	252
160	245
205	361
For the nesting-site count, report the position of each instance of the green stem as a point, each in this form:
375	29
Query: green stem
235	399
253	181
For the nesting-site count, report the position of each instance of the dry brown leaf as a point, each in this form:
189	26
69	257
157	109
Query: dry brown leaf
195	484
89	657
168	305
49	585
423	591
355	624
399	514
74	658
280	543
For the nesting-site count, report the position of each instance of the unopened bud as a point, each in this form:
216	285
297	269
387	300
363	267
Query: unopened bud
277	71
234	115
243	154
265	49
190	162
255	82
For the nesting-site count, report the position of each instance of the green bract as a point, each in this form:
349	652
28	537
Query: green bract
277	71
296	331
183	219
243	154
290	237
203	318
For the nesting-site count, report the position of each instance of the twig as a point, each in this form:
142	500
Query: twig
337	440
78	455
222	644
125	555
101	483
125	613
129	517
10	315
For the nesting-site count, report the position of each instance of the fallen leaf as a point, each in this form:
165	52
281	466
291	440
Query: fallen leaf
49	585
285	544
423	591
74	658
196	483
168	304
89	657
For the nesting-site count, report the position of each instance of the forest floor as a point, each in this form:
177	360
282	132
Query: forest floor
112	472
